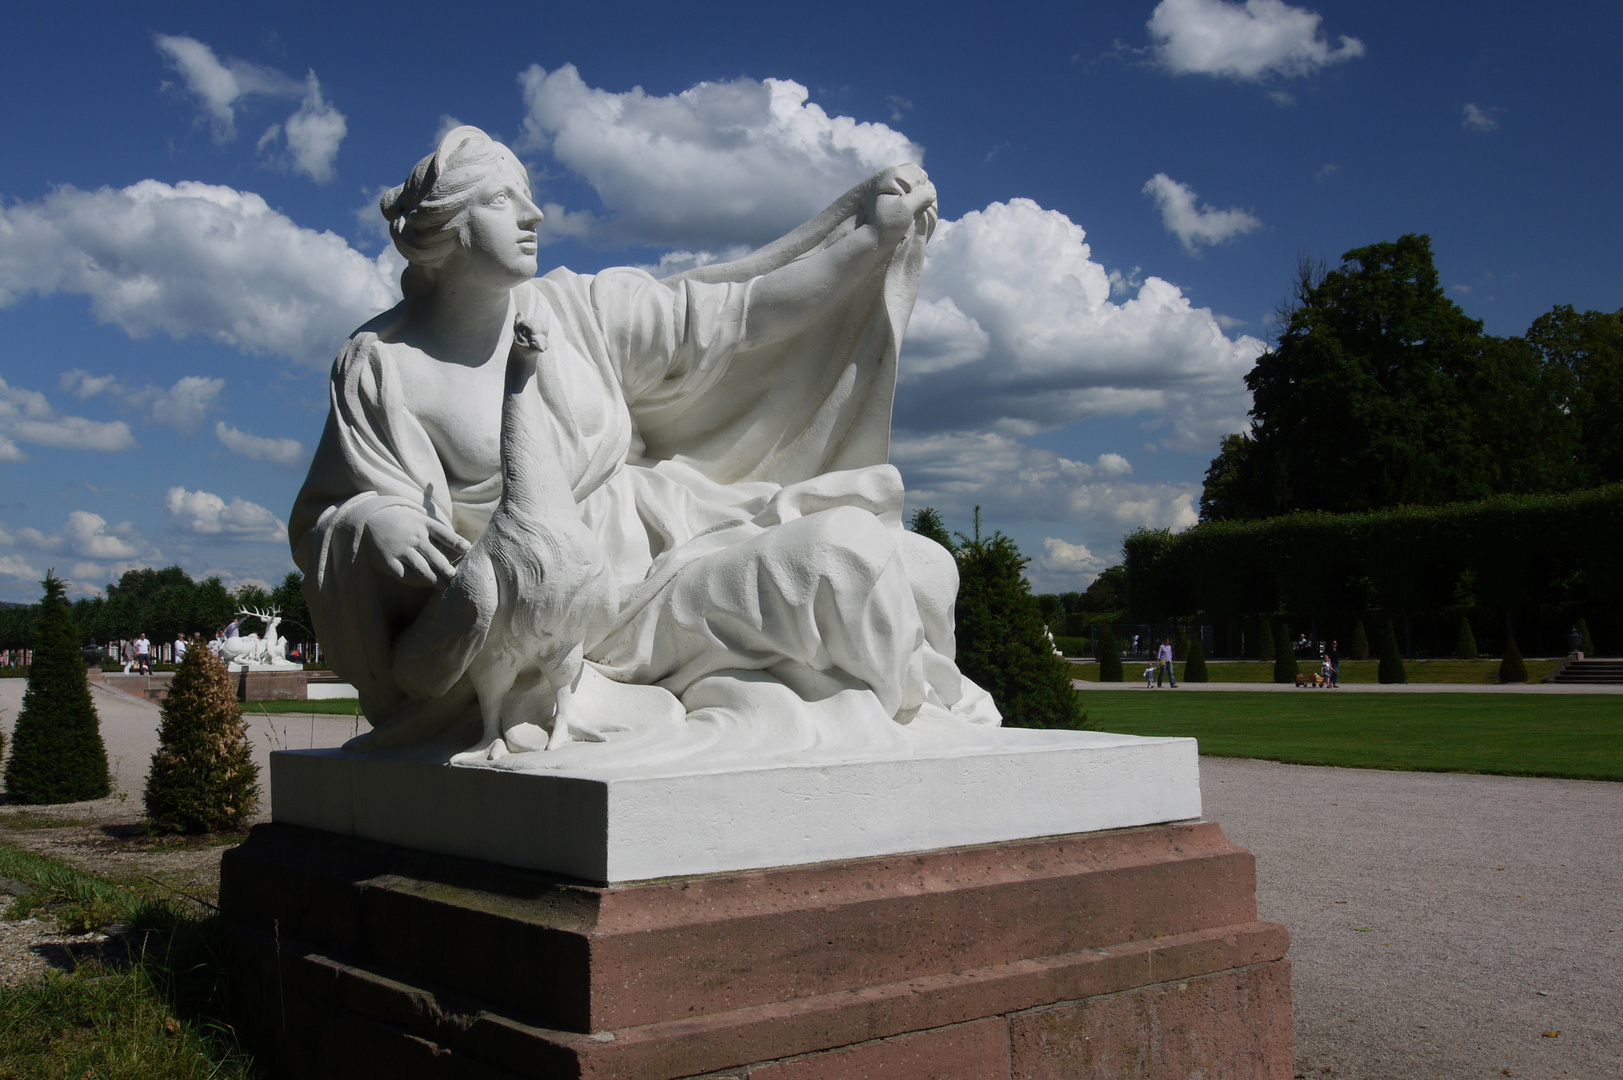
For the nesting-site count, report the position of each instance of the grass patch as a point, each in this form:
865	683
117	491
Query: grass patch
322	707
112	1025
1468	672
150	1016
1574	736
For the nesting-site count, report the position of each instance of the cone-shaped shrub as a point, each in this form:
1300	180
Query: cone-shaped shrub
1194	669
1265	640
57	754
1391	669
1359	648
1585	644
1109	657
1285	669
1512	669
203	776
1465	647
1180	645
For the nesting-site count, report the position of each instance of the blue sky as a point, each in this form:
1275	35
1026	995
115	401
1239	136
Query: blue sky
188	224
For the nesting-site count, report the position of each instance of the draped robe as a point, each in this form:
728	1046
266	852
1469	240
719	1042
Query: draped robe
768	593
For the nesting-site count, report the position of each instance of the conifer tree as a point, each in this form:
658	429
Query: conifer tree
203	776
1002	645
1109	657
1391	668
927	522
1265	640
1359	648
1465	647
57	755
1194	668
1285	669
1585	644
1180	645
1512	669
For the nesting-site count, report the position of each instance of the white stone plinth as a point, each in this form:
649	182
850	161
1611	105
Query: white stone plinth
612	825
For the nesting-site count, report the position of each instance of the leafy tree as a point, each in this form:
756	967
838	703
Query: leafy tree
1465	647
1586	644
1109	658
203	776
1512	669
1285	669
1001	643
1265	640
1358	648
926	522
1194	669
57	755
1588	347
1108	593
1391	668
1380	391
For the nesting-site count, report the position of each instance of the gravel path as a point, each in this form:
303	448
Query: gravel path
1440	923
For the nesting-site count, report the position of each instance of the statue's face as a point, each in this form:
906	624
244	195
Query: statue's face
501	222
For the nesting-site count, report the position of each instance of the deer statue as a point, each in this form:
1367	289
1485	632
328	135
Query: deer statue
266	648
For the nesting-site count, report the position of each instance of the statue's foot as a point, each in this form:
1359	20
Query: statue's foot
494	750
565	730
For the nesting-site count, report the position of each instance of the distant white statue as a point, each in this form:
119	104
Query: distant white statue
549	514
258	649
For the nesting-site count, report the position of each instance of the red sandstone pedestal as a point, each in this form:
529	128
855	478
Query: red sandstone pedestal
1131	953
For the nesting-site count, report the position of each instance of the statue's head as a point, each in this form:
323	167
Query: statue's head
471	196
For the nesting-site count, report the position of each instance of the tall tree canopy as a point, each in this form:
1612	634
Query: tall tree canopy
1382	392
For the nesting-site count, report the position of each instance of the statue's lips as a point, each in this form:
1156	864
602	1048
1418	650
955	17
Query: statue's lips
527	244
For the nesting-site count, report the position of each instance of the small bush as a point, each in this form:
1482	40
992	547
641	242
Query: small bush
1180	645
1071	646
1512	669
1265	640
1586	645
1465	647
57	755
1109	658
1194	669
1285	669
1358	649
1391	669
203	776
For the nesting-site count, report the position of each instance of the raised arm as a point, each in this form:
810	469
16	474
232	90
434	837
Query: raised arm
790	298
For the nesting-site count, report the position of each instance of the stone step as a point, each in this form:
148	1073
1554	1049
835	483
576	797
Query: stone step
1591	672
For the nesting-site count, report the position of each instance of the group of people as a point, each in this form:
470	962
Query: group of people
141	649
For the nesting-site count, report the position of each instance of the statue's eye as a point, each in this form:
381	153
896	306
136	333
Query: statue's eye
499	199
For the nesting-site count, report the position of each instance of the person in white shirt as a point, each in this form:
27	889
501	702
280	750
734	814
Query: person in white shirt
143	654
1163	663
180	648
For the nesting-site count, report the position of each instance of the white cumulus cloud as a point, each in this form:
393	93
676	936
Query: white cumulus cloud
26	416
1247	42
259	448
206	513
1017	331
1062	559
183	406
194	258
1195	225
310	136
737	162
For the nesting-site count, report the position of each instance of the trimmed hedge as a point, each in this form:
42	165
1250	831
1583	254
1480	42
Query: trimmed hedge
1515	553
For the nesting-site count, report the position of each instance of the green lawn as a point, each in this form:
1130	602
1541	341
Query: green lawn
1352	671
1578	736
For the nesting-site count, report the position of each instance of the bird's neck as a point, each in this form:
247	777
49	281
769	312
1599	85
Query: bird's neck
533	480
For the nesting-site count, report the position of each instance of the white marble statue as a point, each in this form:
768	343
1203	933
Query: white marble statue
258	650
611	514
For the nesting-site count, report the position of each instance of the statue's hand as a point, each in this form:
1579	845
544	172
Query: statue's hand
901	196
411	547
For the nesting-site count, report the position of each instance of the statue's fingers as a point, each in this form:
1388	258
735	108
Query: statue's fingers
919	199
447	537
438	563
417	570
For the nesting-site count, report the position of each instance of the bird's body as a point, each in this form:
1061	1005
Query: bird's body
526	591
